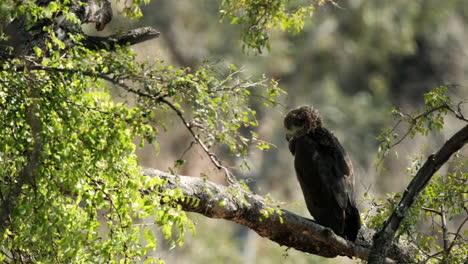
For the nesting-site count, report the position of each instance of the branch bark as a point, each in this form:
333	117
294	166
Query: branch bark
384	237
131	37
235	204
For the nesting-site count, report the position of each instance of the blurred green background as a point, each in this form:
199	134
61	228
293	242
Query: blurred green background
352	62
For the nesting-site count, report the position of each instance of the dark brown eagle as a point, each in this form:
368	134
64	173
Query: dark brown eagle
324	171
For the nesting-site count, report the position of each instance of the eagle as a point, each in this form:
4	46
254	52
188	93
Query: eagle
324	171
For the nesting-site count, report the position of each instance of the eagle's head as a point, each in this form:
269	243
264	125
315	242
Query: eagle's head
301	120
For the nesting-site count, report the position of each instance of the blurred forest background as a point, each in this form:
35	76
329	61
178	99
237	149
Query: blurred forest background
352	62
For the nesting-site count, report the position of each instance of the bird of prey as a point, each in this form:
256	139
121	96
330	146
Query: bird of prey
324	171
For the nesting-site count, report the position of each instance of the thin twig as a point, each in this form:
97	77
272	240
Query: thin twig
412	121
457	234
232	74
431	210
186	150
435	255
214	159
458	113
421	250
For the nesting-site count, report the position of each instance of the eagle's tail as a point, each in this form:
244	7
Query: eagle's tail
353	224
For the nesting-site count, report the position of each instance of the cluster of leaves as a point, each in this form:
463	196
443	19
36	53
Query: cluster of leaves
85	199
259	16
443	208
272	208
217	114
212	102
82	199
132	9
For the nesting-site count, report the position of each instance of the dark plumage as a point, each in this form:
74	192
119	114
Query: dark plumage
324	171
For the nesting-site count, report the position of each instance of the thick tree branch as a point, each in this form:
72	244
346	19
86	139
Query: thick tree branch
22	39
287	229
131	37
384	237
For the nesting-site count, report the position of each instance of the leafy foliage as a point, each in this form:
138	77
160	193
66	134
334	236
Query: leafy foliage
435	223
441	209
259	16
430	118
70	183
88	182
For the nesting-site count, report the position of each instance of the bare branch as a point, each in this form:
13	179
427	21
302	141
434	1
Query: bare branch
458	113
235	204
431	210
384	237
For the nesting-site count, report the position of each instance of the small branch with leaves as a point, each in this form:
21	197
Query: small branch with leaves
430	118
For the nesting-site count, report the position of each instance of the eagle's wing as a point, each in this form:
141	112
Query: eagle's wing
321	182
340	178
292	145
